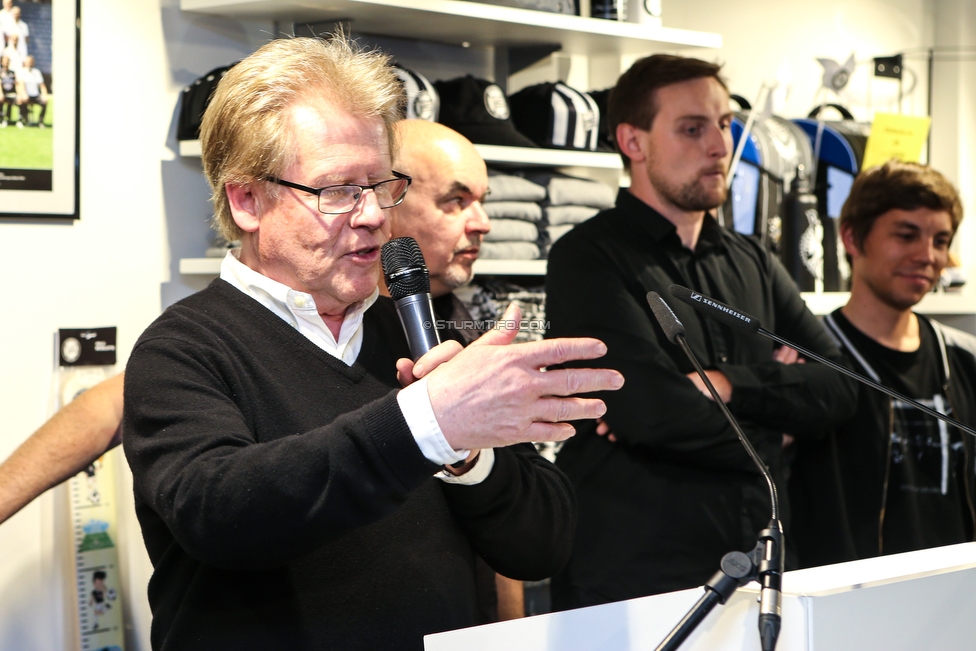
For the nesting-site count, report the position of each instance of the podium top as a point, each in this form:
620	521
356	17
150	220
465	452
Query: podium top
831	579
896	603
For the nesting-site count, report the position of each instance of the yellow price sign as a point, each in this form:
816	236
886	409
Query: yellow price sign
895	136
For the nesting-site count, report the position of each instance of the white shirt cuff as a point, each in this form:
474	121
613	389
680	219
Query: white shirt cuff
480	472
419	414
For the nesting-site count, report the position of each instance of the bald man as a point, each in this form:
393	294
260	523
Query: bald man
443	212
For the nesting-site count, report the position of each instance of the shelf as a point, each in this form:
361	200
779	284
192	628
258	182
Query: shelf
458	22
211	267
952	303
494	154
200	266
510	267
497	155
190	148
937	303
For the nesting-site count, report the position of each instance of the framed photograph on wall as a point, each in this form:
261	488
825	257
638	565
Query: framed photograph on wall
39	75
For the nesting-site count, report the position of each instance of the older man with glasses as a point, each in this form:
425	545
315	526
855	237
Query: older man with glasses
291	494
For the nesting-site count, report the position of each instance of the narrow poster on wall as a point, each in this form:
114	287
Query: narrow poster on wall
85	357
94	522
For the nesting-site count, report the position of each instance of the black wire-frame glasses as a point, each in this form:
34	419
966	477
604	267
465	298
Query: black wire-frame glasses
340	199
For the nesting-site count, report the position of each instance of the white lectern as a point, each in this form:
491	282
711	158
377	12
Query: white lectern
916	601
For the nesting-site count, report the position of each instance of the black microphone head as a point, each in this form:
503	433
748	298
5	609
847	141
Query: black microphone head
662	312
715	309
404	269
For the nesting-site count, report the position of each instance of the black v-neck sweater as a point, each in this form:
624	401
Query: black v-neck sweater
284	503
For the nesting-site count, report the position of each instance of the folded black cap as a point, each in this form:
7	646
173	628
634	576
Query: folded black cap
606	141
555	115
478	110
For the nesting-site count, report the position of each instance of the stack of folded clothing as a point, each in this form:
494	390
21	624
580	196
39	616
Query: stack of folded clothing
569	201
487	298
515	214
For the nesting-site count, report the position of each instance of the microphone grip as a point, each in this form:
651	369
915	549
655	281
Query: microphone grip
416	314
769	625
770	577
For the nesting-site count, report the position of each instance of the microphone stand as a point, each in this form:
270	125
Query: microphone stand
765	562
866	380
742	321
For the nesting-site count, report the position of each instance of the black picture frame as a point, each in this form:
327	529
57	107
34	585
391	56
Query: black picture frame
40	158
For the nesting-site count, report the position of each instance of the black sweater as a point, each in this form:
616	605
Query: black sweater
284	502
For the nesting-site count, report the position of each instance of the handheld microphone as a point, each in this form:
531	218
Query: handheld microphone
741	321
408	280
770	557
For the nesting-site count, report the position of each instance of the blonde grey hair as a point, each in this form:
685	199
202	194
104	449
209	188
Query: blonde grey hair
245	135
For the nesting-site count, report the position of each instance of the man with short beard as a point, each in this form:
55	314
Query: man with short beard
672	490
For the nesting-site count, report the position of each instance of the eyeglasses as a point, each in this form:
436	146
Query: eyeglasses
340	199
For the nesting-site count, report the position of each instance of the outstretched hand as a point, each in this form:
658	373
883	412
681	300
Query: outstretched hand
496	393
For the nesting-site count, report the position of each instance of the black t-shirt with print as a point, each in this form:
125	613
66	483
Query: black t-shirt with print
924	504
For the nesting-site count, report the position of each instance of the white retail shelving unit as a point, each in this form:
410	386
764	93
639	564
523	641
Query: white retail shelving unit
519	32
959	304
471	24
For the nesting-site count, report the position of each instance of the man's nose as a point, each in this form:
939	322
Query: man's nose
368	213
477	221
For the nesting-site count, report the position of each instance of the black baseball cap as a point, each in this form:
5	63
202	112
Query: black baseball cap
420	100
194	101
478	110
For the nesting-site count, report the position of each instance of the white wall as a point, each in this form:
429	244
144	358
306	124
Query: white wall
954	111
777	39
142	208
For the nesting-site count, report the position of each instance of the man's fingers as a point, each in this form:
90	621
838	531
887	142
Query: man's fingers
504	331
557	351
435	357
785	355
405	375
560	410
570	381
543	432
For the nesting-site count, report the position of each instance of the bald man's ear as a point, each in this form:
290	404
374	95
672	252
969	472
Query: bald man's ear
629	143
244	206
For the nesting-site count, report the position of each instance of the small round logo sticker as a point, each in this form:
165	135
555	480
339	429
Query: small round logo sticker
423	106
495	103
70	350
